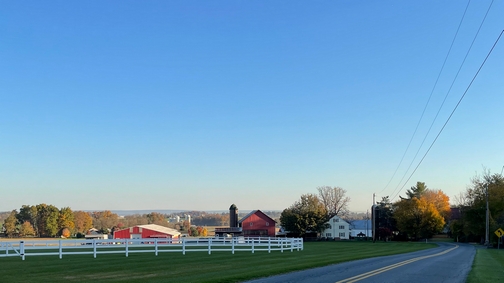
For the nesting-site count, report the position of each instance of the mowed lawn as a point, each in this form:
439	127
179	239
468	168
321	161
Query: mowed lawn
192	267
488	266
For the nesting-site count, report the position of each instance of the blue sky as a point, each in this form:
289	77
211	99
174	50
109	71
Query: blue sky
201	104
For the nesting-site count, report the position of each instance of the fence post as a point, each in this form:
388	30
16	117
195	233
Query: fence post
183	246
209	245
21	249
155	246
269	244
94	248
126	245
232	245
253	240
281	245
60	250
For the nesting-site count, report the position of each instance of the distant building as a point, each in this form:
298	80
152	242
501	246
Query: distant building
146	231
94	233
338	229
361	228
254	224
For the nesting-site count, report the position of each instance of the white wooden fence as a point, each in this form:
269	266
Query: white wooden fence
126	246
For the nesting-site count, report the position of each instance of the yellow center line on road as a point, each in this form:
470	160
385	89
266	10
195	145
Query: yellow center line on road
390	267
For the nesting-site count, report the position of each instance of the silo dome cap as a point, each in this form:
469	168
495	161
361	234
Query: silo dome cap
233	207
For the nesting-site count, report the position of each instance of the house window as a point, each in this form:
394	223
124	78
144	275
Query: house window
342	235
267	223
328	234
335	220
329	227
341	227
251	223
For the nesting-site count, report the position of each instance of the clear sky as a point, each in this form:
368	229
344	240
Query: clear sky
201	104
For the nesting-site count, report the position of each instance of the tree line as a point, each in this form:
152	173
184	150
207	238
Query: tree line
44	220
421	214
312	212
469	225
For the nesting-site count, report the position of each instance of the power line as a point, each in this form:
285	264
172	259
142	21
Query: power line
441	106
454	109
428	101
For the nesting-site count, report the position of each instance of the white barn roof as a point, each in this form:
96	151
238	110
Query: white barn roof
160	229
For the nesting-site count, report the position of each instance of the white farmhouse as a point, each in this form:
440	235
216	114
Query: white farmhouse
338	228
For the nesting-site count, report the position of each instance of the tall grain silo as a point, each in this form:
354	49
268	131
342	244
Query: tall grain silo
233	216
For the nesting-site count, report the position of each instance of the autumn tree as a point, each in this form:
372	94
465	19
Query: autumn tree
156	218
47	220
204	232
104	219
26	230
83	221
193	231
66	219
65	232
135	219
11	224
334	200
28	213
423	213
306	215
186	225
440	201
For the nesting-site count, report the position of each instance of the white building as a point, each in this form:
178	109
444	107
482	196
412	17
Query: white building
338	228
361	228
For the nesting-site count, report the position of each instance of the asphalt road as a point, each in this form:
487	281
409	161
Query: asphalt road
446	263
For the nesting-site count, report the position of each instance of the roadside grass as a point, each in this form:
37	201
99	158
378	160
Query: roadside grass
488	266
194	266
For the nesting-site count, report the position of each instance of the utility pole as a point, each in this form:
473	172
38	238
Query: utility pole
487	242
367	226
373	214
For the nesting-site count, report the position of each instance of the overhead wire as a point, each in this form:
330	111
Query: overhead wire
454	109
446	96
428	100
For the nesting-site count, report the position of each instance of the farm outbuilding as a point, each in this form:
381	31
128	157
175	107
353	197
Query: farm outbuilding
256	223
146	231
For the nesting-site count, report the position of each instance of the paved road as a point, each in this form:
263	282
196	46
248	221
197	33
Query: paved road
446	263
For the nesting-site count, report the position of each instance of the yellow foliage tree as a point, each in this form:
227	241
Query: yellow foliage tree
418	218
65	233
440	201
204	232
26	230
83	221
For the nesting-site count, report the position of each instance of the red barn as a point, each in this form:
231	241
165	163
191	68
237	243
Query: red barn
146	231
256	223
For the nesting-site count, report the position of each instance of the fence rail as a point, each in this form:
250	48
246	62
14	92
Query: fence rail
147	245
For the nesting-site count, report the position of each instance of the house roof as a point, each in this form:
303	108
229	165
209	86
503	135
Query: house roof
361	224
341	219
160	229
254	212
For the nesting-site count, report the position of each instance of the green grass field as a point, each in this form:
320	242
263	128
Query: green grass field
488	266
192	267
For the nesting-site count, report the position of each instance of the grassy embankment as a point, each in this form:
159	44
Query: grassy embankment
192	267
488	266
